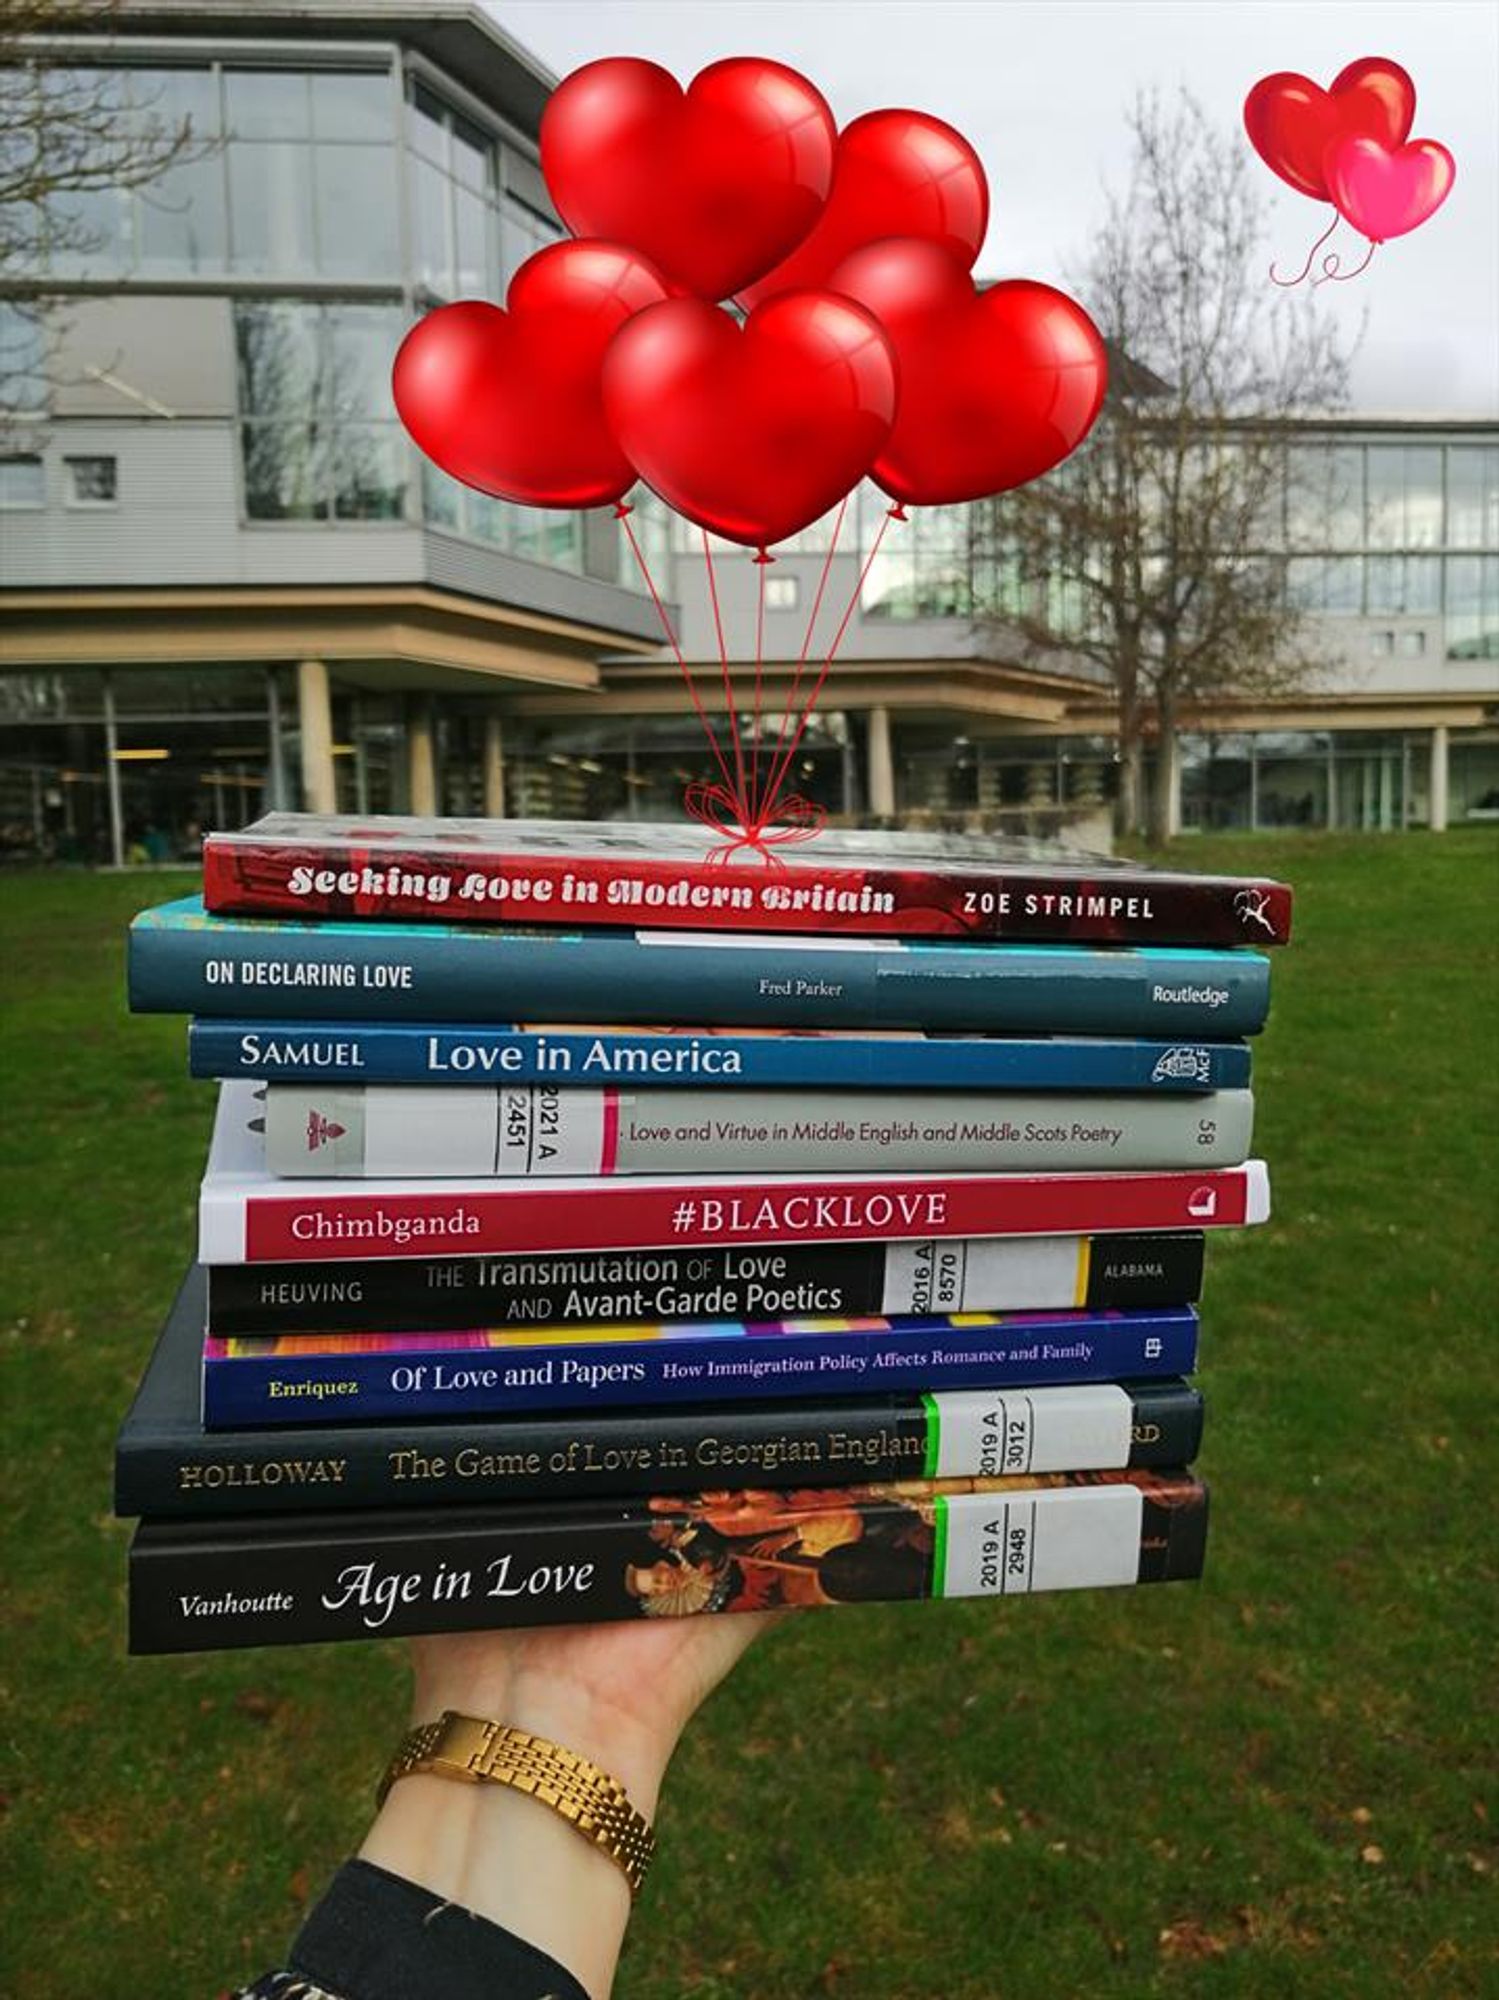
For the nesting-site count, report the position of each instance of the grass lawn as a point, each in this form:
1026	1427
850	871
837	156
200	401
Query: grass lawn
1279	1782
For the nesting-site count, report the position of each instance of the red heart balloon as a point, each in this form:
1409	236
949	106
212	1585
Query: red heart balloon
1385	191
714	185
996	386
1292	121
752	431
508	400
898	173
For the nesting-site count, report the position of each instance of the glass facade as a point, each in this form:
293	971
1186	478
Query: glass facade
287	177
1361	531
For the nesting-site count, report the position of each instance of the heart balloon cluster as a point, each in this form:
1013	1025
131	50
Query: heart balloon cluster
754	312
1350	145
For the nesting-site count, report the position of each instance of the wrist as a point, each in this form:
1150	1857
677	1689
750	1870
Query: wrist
635	1751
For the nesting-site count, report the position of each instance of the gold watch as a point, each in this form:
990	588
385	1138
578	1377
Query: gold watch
466	1747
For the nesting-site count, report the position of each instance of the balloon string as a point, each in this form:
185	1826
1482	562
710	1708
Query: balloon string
783	766
755	802
622	515
728	686
801	660
1331	275
1287	283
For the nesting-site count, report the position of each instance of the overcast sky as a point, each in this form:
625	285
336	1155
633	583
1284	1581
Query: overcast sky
1041	88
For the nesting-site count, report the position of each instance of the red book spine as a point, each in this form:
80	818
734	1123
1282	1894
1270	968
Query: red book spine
246	877
372	1222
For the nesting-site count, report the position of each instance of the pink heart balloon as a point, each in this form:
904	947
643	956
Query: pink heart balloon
1386	190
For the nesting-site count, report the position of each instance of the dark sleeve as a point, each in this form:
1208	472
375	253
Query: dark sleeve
375	1936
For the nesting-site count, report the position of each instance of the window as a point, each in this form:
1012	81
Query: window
1382	645
23	482
1329	584
453	170
1473	607
1405	496
1325	496
91	482
182	221
782	593
169	225
1473	496
319	437
23	359
1412	645
312	173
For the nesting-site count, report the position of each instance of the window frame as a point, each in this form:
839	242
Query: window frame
77	503
37	506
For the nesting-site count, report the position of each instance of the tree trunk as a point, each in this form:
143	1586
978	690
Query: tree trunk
1165	793
1127	805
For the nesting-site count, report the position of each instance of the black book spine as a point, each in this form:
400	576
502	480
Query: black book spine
167	1471
839	1280
356	1576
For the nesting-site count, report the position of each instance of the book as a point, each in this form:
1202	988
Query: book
867	884
931	1274
312	1378
167	1465
184	961
523	1131
198	1585
247	1216
715	1058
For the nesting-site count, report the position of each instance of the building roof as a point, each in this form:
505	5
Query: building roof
458	35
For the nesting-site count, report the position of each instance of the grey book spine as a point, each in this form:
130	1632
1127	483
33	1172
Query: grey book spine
521	1131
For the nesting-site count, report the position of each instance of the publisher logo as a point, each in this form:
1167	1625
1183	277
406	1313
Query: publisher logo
1250	906
1183	1065
322	1131
1202	1203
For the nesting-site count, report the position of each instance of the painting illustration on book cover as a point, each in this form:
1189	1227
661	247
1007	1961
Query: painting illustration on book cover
759	1550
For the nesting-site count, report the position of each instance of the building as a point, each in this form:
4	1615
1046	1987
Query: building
227	580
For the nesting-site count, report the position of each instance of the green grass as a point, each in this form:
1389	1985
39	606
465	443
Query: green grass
1278	1782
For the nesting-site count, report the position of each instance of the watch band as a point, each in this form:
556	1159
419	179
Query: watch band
469	1748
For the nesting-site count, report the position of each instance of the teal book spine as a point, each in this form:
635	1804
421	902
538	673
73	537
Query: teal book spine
181	960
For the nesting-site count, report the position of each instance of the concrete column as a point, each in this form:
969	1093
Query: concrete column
494	768
361	758
421	755
315	719
277	799
112	775
1438	813
881	766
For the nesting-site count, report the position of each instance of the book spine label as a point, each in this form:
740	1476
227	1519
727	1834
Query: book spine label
533	1131
953	1434
358	1577
675	1058
393	1219
218	967
933	1274
301	878
493	1375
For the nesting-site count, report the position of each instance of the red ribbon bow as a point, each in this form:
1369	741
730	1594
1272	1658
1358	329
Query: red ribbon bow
718	809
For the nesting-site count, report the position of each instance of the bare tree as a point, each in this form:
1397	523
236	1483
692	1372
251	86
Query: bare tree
71	135
1158	551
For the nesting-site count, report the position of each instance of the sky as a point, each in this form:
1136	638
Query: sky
1042	87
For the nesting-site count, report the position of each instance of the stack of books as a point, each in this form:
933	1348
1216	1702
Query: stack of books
595	1228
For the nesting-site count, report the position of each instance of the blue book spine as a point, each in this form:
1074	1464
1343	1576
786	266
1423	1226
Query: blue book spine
496	1375
374	1052
183	961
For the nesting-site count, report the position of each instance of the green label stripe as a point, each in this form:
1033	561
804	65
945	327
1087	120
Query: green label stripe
933	1435
939	1553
